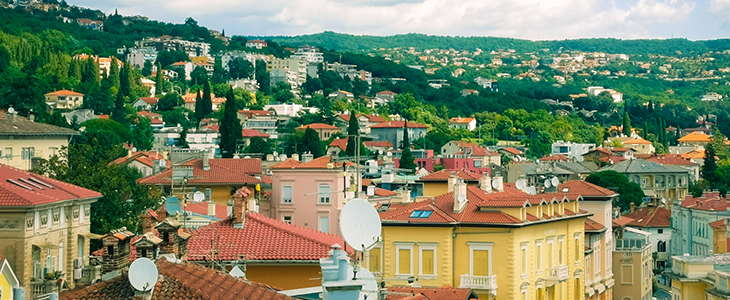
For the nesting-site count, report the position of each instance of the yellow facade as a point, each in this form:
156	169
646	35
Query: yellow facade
8	281
14	152
286	277
220	194
514	263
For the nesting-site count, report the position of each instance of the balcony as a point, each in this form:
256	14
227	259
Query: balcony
479	282
558	273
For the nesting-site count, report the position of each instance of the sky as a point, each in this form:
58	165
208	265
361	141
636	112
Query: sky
523	19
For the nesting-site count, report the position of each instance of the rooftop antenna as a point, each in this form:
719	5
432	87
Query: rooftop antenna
360	227
143	275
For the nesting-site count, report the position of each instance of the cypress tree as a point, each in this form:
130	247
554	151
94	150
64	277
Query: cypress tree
114	73
311	143
627	125
207	106
182	141
406	158
646	129
353	131
118	112
710	166
198	107
159	85
124	81
677	134
230	127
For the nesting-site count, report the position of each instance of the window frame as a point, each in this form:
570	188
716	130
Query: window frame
421	248
480	246
403	246
538	256
524	252
291	194
320	194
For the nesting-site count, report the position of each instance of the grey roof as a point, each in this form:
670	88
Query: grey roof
642	166
578	167
715	259
540	169
15	126
82	115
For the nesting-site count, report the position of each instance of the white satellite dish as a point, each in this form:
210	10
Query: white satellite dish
495	184
370	286
555	181
389	153
547	183
360	224
134	149
531	190
11	110
163	163
143	274
276	154
461	197
520	184
198	197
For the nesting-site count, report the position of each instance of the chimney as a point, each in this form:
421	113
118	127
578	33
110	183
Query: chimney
485	183
206	161
460	200
500	186
403	196
632	207
451	181
31	117
651	206
161	213
295	156
239	206
211	208
148	222
307	157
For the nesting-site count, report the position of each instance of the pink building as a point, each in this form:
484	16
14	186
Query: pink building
310	193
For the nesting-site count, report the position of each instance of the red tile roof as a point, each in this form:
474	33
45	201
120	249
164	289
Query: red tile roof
221	211
444	175
620	149
460	120
261	238
612	159
181	282
719	224
250	113
463	144
380	144
149	100
585	188
149	114
557	157
317	163
622	221
477	151
512	150
672	159
222	170
659	217
397	124
64	93
144	157
252	133
341	143
384	192
386	92
22	188
318	126
591	225
442	293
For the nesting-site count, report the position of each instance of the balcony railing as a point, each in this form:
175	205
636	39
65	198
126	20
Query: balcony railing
479	282
630	244
558	273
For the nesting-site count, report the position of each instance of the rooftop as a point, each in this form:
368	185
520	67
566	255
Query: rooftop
397	124
585	189
643	166
222	170
18	125
317	163
651	217
444	175
22	188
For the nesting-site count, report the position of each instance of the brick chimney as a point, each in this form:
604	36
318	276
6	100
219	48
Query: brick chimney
116	249
148	221
239	206
451	181
161	213
460	200
632	207
147	246
174	238
485	183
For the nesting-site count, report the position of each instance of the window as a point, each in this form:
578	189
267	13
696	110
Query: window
538	256
578	248
50	220
144	253
643	182
661	246
110	250
287	219
374	263
560	251
28	153
421	214
523	254
8	153
324	224
404	259
286	192
37	221
550	259
480	257
52	151
324	193
427	264
660	231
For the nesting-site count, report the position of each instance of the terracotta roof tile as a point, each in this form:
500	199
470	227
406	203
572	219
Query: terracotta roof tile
222	170
318	126
622	221
397	124
459	120
340	143
585	188
149	100
442	293
591	225
672	159
557	157
512	151
317	163
444	175
261	238
382	144
719	224
695	137
252	133
22	188
659	217
64	93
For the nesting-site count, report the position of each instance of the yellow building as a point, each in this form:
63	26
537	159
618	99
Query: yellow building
700	277
524	246
633	263
720	235
8	280
23	140
64	99
438	183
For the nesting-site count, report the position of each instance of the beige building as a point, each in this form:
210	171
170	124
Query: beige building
44	227
699	277
64	99
632	261
22	140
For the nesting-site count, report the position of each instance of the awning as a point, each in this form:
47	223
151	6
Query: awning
90	235
47	245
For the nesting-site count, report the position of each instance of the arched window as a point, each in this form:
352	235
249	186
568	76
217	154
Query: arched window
661	246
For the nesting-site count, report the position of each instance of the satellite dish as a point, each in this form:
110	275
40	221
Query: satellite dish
236	272
163	162
143	274
198	197
547	183
495	184
360	224
531	190
461	197
134	149
370	286
276	153
11	110
380	151
520	184
390	153
555	181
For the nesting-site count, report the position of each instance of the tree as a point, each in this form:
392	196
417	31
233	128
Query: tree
540	145
406	159
240	68
353	134
143	136
58	120
230	128
114	75
182	141
207	105
125	86
629	192
710	166
262	76
198	107
627	125
119	112
147	68
169	102
159	80
258	145
311	143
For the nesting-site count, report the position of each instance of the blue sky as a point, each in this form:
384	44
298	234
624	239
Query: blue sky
525	19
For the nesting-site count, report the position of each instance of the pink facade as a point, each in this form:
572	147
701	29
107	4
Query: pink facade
464	163
309	195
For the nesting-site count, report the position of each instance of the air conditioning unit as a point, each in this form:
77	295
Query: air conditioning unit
77	274
78	263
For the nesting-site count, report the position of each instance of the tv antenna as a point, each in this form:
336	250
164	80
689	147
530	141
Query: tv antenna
143	275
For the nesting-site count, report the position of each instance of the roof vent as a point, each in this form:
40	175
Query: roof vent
19	184
38	181
30	183
565	190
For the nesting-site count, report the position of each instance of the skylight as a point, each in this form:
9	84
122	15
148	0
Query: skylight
19	184
38	181
421	214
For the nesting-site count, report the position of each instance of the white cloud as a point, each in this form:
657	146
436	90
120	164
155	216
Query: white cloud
531	19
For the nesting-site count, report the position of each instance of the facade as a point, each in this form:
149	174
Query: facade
491	241
656	220
570	149
632	261
168	43
298	67
364	122
310	193
325	131
64	99
145	103
656	180
289	110
147	162
679	161
248	134
308	54
8	280
442	182
641	146
45	228
22	140
537	173
393	131
263	121
699	277
205	139
463	123
691	218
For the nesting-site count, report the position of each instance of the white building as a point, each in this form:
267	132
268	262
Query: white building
290	110
595	90
570	149
309	54
297	67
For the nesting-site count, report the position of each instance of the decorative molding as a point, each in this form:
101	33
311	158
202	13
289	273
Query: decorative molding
9	224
